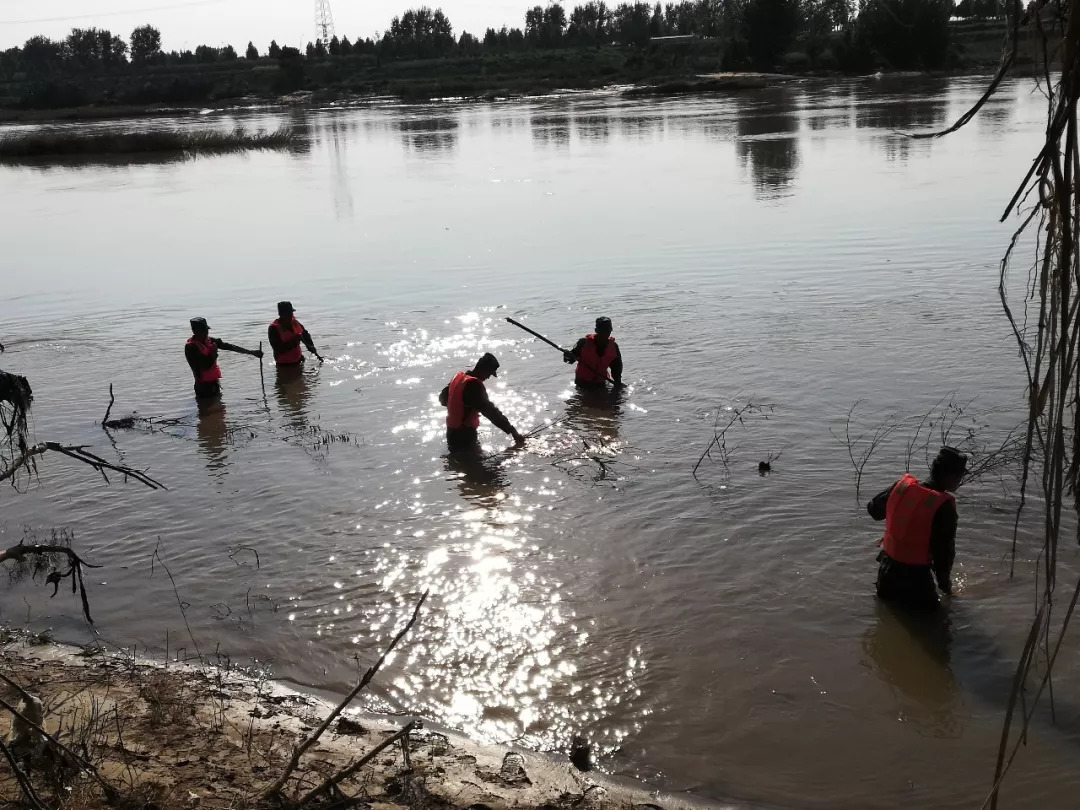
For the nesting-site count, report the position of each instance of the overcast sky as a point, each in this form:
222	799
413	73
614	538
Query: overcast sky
187	23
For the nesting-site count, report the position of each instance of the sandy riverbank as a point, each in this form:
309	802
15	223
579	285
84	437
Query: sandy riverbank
214	737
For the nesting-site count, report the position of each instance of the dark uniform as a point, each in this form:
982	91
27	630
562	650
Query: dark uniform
466	400
919	545
201	353
596	354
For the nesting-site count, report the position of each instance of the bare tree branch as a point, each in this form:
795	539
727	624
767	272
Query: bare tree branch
734	416
339	777
110	791
76	564
79	453
112	399
25	785
276	788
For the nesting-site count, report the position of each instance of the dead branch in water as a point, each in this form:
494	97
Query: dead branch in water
16	398
946	423
869	441
112	399
720	428
79	453
604	456
294	761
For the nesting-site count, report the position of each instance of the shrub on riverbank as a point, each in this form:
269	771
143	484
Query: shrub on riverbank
64	144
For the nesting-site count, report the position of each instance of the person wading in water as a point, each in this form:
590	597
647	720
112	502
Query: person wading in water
920	533
201	352
595	354
465	399
286	334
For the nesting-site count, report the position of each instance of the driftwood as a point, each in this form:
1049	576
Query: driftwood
274	790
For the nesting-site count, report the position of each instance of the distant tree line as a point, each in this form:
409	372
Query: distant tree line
761	34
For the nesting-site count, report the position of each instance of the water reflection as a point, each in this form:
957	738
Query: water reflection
293	395
904	112
551	130
911	654
766	142
130	160
212	433
995	116
481	479
508	121
434	135
339	138
640	126
503	656
299	122
829	110
593	127
595	413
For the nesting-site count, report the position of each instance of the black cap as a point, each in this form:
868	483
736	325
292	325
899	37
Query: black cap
603	324
949	460
285	308
488	363
198	324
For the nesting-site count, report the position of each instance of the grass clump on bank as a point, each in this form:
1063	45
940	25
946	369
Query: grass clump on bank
32	146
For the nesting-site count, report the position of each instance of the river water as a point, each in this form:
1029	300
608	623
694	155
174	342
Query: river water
716	634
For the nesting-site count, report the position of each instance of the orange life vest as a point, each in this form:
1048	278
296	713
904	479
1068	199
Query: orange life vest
206	349
909	515
457	415
592	366
296	353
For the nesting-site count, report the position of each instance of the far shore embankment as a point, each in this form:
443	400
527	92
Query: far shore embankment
706	84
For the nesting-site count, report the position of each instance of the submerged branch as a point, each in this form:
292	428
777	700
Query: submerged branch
43	554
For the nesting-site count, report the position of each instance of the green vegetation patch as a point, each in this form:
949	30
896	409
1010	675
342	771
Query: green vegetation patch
45	144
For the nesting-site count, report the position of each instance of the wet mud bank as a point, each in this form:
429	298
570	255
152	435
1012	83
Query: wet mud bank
164	735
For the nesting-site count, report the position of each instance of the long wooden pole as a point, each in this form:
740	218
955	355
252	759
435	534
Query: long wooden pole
551	343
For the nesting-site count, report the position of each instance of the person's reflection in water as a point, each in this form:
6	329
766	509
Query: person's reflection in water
911	653
480	478
213	437
595	413
293	395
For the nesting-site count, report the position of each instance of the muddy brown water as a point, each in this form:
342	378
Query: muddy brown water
788	247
